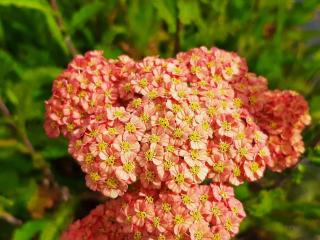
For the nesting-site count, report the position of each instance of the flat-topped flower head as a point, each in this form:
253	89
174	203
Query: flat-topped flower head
163	215
161	127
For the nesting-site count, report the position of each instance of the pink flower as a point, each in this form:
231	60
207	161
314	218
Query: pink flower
135	127
150	154
118	113
180	180
163	126
142	213
253	169
127	145
222	192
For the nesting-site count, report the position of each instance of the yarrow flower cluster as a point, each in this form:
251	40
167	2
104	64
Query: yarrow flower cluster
169	124
203	212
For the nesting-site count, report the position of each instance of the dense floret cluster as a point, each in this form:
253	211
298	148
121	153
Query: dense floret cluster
169	124
203	212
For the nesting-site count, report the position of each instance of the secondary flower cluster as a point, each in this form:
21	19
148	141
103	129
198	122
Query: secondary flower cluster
166	125
281	115
202	212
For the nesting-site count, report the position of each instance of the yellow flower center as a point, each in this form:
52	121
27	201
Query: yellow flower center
196	215
137	102
254	166
102	146
216	236
228	225
262	152
241	135
167	164
252	100
194	154
163	122
243	151
70	127
137	236
112	131
237	102
149	155
161	237
177	133
229	71
195	170
78	143
195	137
178	219
182	93
195	69
153	94
150	176
95	176
226	125
205	126
170	148
125	146
210	94
127	87
177	70
149	199
128	166
179	178
88	158
110	160
194	106
130	127
204	198
118	113
145	117
156	222
186	199
141	214
218	167
212	111
216	211
223	147
94	133
223	194
107	93
176	108
112	183
143	83
236	171
166	207
198	235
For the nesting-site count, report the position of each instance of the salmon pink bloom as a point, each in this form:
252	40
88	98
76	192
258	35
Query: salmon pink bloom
163	126
118	113
135	127
181	178
127	145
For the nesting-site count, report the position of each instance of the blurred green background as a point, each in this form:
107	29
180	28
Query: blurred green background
42	190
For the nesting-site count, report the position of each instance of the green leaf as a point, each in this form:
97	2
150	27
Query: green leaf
167	12
242	191
189	11
264	203
9	180
8	64
58	222
29	230
86	13
141	22
45	8
314	107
